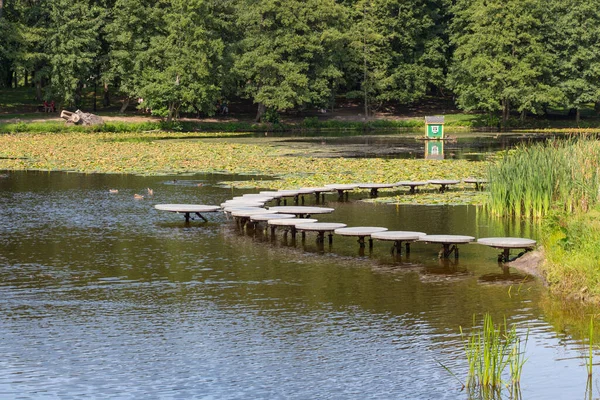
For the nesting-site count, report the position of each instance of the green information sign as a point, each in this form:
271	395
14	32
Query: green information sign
435	131
434	127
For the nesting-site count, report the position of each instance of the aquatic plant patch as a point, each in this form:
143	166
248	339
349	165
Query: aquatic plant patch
149	154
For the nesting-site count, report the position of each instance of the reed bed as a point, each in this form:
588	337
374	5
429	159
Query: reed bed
530	180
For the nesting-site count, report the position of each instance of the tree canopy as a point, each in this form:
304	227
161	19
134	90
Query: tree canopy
187	55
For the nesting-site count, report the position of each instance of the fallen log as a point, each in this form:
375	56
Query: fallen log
80	118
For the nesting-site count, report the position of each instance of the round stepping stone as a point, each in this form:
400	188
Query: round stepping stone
321	228
187	209
374	187
267	217
288	223
274	194
444	183
254	197
477	181
249	213
342	186
236	203
319	192
446	241
506	244
361	232
302	211
412	184
291	221
229	209
398	237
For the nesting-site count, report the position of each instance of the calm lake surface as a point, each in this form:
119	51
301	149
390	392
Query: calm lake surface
102	295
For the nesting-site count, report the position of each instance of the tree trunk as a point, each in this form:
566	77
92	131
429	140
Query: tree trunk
38	90
26	78
95	93
106	98
577	115
125	105
260	112
523	115
171	111
597	107
505	111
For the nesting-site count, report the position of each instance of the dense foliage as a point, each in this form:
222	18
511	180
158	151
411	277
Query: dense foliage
176	55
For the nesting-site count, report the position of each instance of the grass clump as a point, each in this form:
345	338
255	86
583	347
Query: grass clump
490	351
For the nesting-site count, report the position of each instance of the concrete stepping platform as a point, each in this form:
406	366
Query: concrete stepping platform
301	211
188	209
361	232
254	197
374	187
271	193
477	181
240	203
321	228
398	237
319	192
449	243
269	216
506	244
444	183
258	218
288	193
412	184
230	209
288	224
342	188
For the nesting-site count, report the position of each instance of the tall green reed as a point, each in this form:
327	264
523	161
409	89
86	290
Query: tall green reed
489	351
530	180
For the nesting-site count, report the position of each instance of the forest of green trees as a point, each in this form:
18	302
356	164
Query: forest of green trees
495	56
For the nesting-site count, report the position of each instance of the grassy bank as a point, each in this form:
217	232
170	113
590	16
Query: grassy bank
559	184
152	153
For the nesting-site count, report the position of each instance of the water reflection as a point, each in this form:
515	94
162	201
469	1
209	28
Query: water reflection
103	294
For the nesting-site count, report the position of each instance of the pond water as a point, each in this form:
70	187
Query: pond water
408	145
102	295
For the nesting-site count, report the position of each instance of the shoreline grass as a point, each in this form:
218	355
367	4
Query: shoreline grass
557	183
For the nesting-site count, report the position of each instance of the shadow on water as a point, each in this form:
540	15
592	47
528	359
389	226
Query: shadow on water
101	293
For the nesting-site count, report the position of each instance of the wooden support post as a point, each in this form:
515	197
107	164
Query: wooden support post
201	216
361	241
